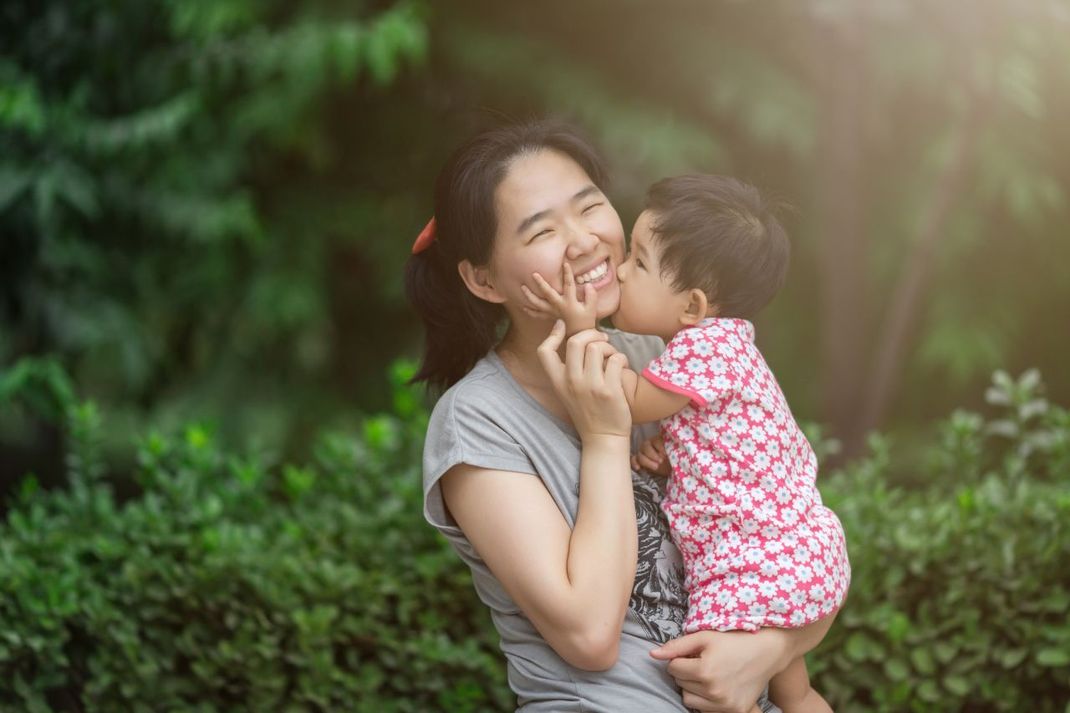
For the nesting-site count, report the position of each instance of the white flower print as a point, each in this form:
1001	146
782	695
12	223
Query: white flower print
725	598
742	503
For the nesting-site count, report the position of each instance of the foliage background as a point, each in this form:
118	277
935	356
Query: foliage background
205	206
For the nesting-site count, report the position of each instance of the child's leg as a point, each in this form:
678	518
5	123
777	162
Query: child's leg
790	689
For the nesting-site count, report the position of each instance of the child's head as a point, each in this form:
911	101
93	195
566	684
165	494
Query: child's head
706	246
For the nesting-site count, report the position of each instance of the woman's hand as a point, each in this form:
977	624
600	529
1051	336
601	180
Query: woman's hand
725	671
588	382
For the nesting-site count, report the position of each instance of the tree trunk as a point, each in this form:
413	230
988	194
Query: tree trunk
840	203
899	325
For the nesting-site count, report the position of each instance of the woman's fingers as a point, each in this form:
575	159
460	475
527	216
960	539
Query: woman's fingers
575	353
548	356
614	366
598	360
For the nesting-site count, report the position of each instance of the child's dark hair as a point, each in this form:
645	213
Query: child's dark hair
718	234
461	328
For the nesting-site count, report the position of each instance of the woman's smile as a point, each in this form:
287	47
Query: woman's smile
598	276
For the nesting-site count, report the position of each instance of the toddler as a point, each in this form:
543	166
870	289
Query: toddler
759	547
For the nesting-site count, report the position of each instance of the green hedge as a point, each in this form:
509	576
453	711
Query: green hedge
225	584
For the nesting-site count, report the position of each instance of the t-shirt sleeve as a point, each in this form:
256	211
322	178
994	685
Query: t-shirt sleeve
464	428
698	363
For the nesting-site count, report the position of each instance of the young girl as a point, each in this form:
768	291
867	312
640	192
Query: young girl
759	548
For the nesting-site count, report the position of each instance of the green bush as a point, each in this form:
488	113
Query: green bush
224	584
960	591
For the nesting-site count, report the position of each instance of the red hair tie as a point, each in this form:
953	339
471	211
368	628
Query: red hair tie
425	238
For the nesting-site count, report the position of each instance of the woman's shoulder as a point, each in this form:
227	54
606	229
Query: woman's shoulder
485	385
640	349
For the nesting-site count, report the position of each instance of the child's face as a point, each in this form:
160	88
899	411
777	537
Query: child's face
649	304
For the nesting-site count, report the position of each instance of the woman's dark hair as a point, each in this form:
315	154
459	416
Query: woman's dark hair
718	234
461	328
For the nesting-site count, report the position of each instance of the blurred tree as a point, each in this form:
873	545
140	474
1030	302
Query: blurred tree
280	157
159	178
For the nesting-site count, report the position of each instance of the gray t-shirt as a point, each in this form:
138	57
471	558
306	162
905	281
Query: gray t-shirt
488	420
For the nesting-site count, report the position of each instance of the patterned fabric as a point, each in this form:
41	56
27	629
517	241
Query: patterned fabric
759	547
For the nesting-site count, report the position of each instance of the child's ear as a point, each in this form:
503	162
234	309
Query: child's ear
479	283
697	306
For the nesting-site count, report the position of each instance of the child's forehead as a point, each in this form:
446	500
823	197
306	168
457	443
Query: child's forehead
643	231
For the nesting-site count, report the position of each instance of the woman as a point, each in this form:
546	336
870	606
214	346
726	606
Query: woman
526	463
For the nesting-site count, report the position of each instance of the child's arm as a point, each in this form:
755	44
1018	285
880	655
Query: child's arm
649	402
566	305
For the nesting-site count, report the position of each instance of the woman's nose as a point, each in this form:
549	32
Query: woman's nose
581	241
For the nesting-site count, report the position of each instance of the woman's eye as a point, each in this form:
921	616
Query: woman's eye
639	263
539	234
591	207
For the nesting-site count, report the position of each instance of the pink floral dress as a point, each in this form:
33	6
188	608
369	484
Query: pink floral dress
759	547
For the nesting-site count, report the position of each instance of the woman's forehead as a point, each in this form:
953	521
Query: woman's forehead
539	181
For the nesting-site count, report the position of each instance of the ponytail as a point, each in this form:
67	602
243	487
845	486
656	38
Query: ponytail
460	327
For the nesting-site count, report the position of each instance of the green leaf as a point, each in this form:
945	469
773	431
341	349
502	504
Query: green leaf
1053	657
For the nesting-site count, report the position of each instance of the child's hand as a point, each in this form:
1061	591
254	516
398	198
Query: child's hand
577	315
651	457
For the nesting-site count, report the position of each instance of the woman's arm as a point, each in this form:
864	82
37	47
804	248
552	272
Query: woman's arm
574	584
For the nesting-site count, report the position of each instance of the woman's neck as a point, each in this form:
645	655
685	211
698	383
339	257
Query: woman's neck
518	350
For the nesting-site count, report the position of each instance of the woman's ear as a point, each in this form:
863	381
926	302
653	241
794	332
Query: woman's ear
478	282
696	309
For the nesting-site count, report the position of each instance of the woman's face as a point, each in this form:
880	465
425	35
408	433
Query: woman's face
549	213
